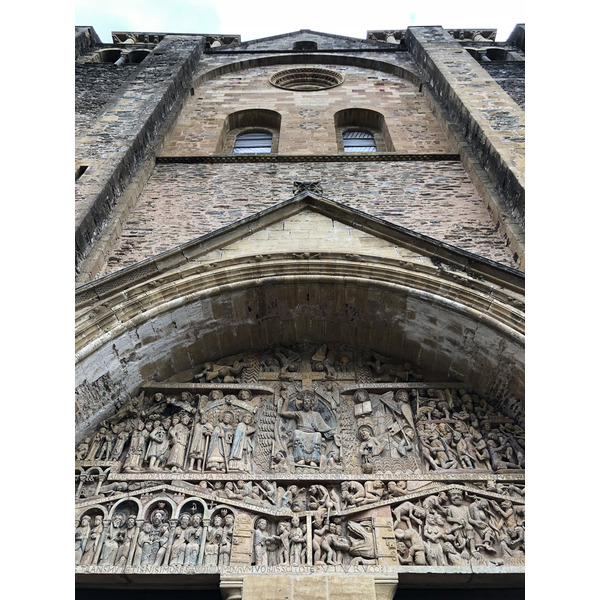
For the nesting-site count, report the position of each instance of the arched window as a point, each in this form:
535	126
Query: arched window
253	142
361	130
359	141
250	131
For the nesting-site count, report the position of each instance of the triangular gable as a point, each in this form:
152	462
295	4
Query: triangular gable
324	41
312	225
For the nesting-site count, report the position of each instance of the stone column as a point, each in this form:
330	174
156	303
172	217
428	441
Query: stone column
231	587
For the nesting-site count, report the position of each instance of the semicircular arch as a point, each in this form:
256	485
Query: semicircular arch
316	58
463	330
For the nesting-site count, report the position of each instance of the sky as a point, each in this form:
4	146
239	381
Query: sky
263	18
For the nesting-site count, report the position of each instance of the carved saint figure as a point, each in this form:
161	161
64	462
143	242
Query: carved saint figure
242	447
113	540
178	437
158	538
137	447
282	536
310	429
219	447
260	543
200	435
82	533
143	544
369	447
180	540
226	540
157	446
193	538
214	533
128	537
93	541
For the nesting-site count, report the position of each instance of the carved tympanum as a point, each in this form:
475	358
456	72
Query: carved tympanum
305	455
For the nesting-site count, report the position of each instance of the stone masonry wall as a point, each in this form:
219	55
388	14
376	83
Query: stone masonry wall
307	118
510	77
183	201
489	120
95	84
116	144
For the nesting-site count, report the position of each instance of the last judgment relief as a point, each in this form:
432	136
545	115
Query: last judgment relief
317	458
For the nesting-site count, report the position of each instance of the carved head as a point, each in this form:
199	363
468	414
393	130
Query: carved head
364	433
184	520
360	396
158	516
85	521
456	497
215	395
282	526
117	520
245	395
217	521
401	396
261	524
310	401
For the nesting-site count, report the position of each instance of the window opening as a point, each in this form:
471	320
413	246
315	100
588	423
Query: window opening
253	142
80	171
359	141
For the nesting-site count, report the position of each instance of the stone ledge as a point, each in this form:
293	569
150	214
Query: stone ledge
288	158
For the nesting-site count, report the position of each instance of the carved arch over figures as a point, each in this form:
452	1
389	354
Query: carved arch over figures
365	408
378	286
319	455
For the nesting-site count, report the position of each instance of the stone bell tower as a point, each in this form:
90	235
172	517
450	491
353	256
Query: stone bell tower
300	315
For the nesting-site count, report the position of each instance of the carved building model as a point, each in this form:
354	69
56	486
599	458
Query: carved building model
300	313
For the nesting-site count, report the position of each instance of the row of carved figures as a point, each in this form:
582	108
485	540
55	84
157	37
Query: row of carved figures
343	496
439	429
447	528
121	541
175	442
327	359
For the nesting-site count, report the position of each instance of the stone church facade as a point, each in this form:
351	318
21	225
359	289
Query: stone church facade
300	315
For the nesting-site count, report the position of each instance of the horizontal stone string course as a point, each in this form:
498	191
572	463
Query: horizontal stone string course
277	158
